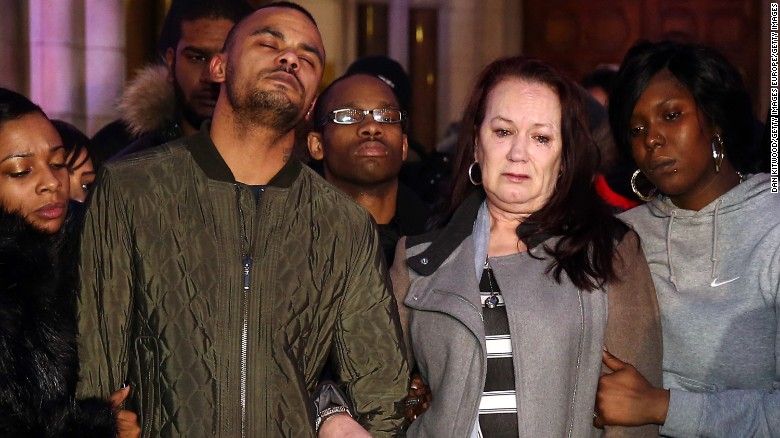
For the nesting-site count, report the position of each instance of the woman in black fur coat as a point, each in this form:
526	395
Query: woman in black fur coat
38	358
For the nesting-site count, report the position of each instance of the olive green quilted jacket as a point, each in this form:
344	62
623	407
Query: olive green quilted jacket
221	311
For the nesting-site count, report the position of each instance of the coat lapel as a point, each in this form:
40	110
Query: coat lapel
452	290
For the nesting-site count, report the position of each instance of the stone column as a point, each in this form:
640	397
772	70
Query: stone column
105	61
57	81
398	32
349	32
459	59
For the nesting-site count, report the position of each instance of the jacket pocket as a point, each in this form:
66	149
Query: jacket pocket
148	390
673	380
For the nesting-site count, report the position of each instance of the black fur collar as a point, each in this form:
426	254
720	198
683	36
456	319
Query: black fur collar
38	355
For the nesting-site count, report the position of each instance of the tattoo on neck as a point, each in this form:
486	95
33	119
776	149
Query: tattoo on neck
286	153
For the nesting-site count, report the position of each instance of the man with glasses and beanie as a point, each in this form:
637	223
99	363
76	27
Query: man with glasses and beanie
219	274
359	135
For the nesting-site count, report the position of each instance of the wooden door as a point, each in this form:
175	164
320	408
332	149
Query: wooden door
423	23
144	20
576	36
372	29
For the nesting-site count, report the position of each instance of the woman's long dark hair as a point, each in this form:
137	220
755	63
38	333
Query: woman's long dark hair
587	229
74	141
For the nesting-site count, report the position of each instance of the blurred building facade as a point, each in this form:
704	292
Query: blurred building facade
73	57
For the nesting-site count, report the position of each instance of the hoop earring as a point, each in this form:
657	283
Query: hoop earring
471	176
647	198
717	156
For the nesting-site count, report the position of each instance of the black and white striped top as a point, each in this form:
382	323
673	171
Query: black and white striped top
497	408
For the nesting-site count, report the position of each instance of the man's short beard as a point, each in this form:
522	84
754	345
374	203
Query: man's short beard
267	108
272	109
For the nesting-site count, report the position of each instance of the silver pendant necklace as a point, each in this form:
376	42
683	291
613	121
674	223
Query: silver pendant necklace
492	301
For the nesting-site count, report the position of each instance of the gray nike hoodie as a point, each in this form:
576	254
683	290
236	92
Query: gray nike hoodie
717	273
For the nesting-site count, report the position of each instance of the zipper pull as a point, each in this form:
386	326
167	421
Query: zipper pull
247	262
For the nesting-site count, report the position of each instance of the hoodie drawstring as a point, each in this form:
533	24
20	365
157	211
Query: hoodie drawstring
669	248
714	257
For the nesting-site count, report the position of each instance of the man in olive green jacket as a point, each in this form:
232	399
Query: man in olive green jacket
219	274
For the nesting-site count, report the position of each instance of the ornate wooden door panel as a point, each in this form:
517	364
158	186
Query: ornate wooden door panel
576	36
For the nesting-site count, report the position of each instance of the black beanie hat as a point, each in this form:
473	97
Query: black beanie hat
388	70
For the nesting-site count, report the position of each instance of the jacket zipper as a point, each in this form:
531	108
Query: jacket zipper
246	264
580	348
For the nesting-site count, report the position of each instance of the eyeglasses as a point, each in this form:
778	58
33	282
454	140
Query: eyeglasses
350	116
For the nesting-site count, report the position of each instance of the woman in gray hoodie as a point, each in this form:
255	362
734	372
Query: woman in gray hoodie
711	233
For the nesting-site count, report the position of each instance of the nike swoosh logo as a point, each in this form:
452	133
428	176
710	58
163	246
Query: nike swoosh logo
716	283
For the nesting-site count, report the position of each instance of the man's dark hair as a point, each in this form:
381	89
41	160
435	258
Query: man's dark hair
75	142
280	4
14	106
191	10
321	105
290	5
390	72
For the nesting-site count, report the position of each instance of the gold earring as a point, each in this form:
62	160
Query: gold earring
646	198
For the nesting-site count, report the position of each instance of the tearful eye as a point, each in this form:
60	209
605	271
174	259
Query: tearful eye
542	139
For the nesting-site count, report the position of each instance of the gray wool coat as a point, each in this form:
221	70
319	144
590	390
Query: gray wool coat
558	333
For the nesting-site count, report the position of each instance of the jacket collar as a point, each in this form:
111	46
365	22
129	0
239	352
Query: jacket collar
211	163
445	241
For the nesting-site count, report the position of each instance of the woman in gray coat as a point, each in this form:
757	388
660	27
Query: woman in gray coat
512	303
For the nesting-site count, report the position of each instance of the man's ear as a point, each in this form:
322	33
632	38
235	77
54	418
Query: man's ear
218	68
170	61
405	147
314	141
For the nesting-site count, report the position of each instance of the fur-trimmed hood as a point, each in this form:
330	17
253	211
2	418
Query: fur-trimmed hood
148	103
38	358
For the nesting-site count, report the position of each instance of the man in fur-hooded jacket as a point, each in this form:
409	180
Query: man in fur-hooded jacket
168	101
38	339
